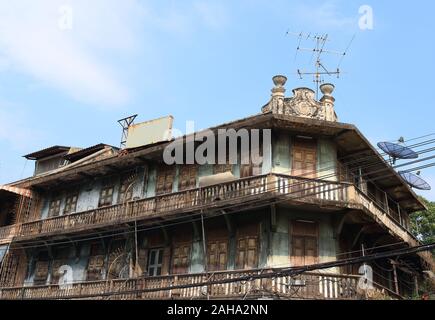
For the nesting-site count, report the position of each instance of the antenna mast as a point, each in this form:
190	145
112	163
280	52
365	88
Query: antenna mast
320	68
125	124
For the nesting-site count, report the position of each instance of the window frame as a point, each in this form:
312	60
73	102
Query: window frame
103	199
157	263
71	207
52	207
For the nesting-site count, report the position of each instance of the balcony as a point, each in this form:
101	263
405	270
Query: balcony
7	233
258	190
219	285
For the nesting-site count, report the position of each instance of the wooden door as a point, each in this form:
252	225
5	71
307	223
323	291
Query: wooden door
304	158
304	243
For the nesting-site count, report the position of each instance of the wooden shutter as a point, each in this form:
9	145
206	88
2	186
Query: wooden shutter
54	209
247	247
71	204
181	258
221	168
304	158
41	272
166	261
247	252
246	171
304	243
106	196
217	252
95	263
187	177
165	179
250	169
142	262
55	275
61	258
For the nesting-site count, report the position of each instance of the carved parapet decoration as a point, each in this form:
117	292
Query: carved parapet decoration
303	103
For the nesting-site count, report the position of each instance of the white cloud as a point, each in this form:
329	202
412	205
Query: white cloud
81	61
31	42
325	15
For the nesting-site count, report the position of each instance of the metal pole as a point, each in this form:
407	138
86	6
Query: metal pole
416	285
396	282
136	251
364	268
387	208
204	247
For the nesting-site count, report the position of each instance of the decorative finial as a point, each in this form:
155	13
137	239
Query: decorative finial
279	81
327	89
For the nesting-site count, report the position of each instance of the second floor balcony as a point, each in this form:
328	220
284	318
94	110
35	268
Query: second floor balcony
260	190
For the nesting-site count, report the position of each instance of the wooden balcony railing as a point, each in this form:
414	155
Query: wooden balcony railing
238	191
7	233
219	285
149	207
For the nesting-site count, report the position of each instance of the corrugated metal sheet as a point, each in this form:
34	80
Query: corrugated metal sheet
150	132
47	152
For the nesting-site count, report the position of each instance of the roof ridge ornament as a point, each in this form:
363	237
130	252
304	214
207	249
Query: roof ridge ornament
303	103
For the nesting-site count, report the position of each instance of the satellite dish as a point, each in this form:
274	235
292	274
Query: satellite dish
415	181
397	151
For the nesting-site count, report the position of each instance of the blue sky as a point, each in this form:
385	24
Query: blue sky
207	61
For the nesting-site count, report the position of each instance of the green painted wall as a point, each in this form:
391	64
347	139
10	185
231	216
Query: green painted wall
326	159
281	153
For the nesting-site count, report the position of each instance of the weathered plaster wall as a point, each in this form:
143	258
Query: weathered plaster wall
89	193
77	260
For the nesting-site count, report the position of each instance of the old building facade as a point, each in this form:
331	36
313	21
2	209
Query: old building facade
106	223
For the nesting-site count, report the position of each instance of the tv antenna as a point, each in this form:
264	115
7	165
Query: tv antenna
125	124
320	68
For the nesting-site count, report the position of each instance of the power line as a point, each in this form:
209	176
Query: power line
291	271
244	196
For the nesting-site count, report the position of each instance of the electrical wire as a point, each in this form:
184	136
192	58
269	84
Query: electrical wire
269	275
235	198
184	222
